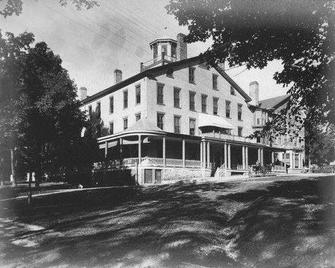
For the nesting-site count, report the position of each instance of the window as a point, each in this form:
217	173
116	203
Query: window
155	51
138	116
90	110
215	105
228	109
169	73
164	50
160	94
192	101
125	99
125	123
215	81
111	105
191	75
160	120
111	128
232	90
258	122
174	50
176	97
204	103
138	94
192	126
239	111
239	131
176	123
98	109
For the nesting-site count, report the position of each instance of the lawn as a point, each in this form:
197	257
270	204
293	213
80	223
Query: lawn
269	223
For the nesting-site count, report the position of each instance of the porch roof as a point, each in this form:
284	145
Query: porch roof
206	120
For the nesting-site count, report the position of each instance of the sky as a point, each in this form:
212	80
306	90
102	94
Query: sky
116	35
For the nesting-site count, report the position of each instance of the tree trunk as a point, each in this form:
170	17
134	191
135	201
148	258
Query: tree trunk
30	196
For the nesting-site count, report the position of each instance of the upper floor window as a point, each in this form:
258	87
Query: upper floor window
239	111
258	121
176	97
215	81
125	99
111	104
125	123
232	90
160	120
192	101
111	128
98	109
176	123
239	131
204	103
191	72
228	109
192	126
138	94
215	105
160	93
138	116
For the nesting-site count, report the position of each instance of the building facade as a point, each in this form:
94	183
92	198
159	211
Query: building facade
178	118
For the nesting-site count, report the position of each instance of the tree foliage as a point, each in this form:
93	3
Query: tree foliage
253	32
15	7
39	112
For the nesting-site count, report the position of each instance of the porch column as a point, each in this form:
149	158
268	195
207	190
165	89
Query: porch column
262	156
291	159
229	157
225	156
208	155
272	157
164	151
243	157
139	149
246	158
106	149
201	156
258	155
183	152
121	149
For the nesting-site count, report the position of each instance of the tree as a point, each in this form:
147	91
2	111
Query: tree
320	148
253	32
45	121
14	7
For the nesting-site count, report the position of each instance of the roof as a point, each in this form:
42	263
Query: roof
273	103
144	125
207	120
156	70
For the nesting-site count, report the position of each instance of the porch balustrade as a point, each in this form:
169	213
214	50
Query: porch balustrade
170	162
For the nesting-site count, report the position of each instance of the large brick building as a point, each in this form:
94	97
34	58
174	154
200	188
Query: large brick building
180	118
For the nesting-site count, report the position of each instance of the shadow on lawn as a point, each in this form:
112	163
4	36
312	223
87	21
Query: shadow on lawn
286	224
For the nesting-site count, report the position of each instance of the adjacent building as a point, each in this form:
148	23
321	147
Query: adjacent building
179	118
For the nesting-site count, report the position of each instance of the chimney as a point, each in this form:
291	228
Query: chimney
117	76
181	47
254	93
82	93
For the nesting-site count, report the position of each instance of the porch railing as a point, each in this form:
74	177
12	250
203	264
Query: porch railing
170	162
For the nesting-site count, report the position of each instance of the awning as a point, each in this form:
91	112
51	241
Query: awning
206	120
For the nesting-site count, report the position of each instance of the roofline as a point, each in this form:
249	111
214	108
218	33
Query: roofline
163	39
197	60
232	82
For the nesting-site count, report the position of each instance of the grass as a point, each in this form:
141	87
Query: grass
287	223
